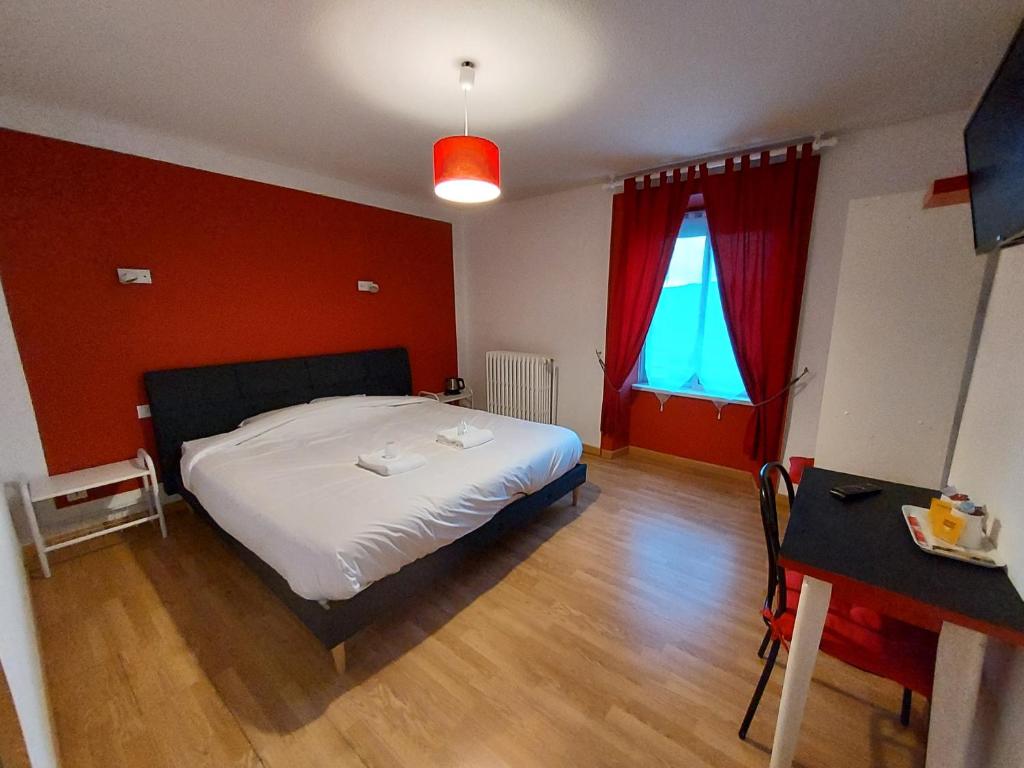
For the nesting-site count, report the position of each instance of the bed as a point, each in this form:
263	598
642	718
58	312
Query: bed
340	545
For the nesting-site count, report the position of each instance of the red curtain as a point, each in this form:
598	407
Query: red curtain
645	224
760	224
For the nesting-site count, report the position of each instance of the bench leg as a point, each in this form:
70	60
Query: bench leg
33	526
151	489
576	496
147	496
338	656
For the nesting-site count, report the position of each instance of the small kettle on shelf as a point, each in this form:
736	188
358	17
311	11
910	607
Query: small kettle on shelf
454	385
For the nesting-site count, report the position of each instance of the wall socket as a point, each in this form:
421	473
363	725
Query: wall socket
77	496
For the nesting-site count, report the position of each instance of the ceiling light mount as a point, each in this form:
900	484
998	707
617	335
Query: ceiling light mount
466	168
467	75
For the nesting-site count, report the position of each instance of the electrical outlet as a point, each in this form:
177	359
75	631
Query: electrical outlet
77	496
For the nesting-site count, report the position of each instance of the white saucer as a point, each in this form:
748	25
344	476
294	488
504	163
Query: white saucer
917	519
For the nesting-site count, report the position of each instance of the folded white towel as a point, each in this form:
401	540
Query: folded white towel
376	462
472	437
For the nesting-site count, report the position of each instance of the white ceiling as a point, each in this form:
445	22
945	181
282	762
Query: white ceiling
572	91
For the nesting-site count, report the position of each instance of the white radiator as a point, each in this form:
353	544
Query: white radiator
522	385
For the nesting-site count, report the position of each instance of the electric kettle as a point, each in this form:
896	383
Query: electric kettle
454	386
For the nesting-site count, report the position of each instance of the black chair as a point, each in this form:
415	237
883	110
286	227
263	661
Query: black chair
778	616
775	600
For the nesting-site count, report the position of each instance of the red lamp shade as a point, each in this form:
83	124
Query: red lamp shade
466	169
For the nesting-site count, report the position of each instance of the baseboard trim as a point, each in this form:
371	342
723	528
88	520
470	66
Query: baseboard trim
615	453
591	450
690	465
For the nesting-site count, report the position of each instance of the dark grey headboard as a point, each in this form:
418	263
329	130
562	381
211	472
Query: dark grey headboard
189	403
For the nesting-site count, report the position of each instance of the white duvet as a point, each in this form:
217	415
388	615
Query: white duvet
286	485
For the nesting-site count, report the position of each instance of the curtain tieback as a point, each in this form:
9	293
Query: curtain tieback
789	386
604	369
782	391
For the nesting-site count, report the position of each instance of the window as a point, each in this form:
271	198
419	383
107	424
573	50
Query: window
688	351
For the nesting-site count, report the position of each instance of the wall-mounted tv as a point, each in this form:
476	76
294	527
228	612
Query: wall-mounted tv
994	139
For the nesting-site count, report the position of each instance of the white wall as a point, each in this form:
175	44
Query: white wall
19	653
988	463
880	161
552	246
532	276
21	452
908	294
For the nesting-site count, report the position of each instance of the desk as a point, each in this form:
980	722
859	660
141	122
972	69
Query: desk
861	551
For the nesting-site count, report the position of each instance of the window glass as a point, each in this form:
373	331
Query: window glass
688	349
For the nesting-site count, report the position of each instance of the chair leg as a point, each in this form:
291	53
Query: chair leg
905	709
759	690
764	643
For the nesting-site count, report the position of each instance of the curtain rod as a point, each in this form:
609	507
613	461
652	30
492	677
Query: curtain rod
717	159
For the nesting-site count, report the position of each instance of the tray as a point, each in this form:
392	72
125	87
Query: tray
921	532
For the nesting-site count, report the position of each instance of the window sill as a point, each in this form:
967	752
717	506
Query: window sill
661	392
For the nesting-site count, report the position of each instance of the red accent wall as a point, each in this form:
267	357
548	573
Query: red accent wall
690	427
241	271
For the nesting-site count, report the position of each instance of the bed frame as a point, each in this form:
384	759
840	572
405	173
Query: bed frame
189	403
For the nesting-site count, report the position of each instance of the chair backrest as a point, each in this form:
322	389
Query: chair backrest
775	600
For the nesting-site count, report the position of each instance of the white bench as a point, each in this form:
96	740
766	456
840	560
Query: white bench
41	489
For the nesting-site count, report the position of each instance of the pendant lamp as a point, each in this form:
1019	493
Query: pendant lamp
466	168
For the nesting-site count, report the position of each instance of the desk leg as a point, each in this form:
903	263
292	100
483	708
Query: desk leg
957	681
803	652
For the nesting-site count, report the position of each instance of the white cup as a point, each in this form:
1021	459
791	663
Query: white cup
462	429
390	449
973	534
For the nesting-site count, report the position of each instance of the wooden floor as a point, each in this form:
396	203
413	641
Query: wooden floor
619	633
12	746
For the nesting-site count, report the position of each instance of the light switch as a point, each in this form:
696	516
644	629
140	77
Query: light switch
367	286
128	276
143	411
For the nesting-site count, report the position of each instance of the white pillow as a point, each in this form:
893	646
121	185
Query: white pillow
268	414
297	408
333	397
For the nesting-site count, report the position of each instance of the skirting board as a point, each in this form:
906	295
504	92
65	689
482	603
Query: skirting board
681	462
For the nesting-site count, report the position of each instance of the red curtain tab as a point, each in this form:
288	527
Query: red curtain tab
760	224
645	224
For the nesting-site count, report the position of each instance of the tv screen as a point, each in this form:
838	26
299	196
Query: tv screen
994	140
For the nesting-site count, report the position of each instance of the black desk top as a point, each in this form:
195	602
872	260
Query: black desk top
866	540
